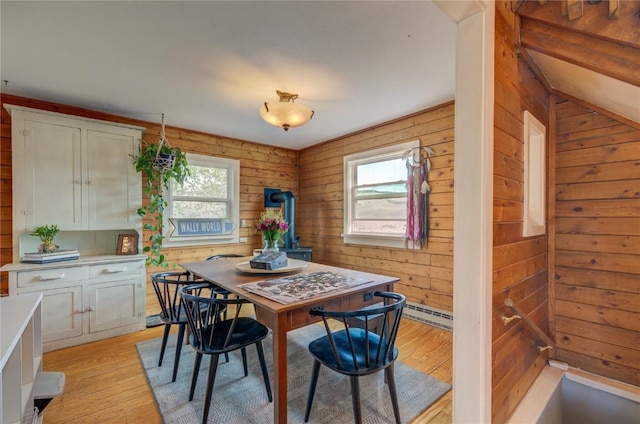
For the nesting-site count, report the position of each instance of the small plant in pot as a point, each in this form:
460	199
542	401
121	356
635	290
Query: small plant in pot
46	233
160	164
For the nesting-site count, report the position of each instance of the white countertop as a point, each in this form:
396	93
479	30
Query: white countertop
83	260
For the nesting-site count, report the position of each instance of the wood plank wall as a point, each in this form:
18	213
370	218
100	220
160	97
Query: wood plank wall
597	243
426	275
519	264
260	166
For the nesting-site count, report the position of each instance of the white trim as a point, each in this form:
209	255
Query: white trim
473	208
534	176
234	214
349	181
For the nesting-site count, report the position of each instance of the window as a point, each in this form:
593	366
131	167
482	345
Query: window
209	198
534	176
375	193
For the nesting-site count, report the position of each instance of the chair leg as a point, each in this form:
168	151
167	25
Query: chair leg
355	399
391	382
165	336
213	366
263	367
312	389
244	361
194	375
179	342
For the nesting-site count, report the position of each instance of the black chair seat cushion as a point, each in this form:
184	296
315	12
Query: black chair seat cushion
322	351
246	332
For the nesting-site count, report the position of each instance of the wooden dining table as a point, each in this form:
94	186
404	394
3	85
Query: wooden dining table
282	318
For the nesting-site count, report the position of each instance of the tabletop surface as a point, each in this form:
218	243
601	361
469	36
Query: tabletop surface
223	272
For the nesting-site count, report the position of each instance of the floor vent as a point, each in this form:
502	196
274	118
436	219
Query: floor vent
429	315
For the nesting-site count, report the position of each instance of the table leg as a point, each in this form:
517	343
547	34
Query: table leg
280	371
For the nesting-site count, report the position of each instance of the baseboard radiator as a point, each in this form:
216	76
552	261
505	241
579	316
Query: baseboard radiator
429	315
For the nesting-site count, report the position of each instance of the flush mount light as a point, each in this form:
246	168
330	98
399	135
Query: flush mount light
286	113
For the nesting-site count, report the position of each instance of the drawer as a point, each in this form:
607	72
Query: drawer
300	317
50	276
115	270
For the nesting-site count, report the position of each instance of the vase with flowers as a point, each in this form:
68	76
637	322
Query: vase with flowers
272	226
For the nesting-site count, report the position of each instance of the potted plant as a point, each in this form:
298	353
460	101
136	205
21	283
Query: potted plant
46	233
160	164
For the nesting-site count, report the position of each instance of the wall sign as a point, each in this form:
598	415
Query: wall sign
201	226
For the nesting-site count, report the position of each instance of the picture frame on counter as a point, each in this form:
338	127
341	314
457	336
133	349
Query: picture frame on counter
127	244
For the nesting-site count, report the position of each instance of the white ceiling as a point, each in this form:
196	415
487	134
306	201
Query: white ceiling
209	65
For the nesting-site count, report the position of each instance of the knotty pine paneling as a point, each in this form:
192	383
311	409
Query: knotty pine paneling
260	166
6	215
520	269
426	275
597	241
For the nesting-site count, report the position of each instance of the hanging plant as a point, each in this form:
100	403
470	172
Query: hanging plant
160	164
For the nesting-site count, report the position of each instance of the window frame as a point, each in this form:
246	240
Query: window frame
535	169
350	163
233	193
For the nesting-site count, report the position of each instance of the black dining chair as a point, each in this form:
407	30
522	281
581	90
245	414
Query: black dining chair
166	286
213	335
358	351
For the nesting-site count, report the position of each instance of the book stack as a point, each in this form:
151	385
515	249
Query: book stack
43	258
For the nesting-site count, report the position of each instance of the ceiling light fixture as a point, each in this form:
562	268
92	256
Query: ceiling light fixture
286	113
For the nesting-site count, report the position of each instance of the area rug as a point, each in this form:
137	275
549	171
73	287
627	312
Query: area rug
239	399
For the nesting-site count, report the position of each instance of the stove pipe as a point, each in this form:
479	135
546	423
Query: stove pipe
272	198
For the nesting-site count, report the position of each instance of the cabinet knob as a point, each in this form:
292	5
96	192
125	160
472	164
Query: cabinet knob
77	311
88	309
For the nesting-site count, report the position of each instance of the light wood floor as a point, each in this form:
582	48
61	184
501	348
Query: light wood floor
105	382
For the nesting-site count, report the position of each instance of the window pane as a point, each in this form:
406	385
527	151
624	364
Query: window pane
381	172
204	182
382	190
187	209
381	209
374	227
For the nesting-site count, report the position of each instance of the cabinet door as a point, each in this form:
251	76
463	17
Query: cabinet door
62	312
114	193
52	176
115	304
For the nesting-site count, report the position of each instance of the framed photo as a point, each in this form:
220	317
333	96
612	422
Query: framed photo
127	244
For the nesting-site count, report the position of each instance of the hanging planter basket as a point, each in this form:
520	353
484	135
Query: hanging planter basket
164	161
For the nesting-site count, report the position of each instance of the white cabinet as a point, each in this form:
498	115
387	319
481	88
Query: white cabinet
73	172
89	299
20	355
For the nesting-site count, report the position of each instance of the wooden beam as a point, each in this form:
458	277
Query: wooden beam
595	21
575	9
614	9
515	5
526	58
601	55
